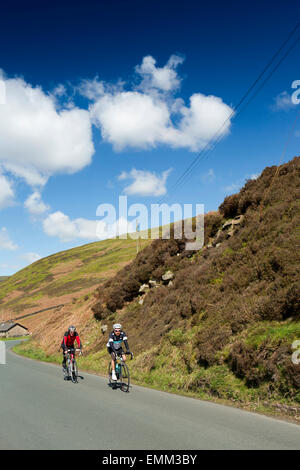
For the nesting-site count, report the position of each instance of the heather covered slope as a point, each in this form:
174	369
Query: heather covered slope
225	325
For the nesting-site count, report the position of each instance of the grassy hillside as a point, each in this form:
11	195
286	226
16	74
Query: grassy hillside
224	327
63	278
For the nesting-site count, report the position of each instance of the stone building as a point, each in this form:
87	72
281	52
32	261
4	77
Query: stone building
10	329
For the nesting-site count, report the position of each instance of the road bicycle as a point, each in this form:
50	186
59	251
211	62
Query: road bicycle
122	373
71	370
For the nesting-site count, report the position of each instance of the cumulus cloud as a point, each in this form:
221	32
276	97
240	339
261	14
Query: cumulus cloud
6	192
130	119
35	205
145	183
145	116
163	78
42	134
60	225
37	140
134	119
5	242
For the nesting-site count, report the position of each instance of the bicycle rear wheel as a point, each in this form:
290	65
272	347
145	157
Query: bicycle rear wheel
125	378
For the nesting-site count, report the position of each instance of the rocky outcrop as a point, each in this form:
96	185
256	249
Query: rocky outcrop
168	276
226	231
144	288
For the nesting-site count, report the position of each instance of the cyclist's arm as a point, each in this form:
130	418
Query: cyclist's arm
110	344
126	343
63	344
78	342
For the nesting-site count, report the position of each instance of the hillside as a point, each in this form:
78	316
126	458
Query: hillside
63	278
225	325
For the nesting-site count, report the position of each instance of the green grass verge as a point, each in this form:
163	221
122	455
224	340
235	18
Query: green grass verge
14	339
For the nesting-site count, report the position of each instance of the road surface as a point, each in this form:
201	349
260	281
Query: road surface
39	410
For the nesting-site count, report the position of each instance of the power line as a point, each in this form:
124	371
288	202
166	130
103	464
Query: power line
219	134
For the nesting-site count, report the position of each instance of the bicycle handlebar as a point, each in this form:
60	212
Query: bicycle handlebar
70	350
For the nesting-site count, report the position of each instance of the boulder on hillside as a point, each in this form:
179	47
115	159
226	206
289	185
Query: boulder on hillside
144	288
168	276
237	220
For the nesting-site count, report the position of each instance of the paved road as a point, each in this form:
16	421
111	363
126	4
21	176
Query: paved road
39	410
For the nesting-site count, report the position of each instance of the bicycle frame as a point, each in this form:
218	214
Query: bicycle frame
120	368
71	364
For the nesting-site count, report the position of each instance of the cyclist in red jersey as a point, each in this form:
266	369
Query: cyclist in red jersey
68	341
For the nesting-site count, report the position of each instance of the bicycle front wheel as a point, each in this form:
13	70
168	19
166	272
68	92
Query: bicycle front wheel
74	375
125	378
69	368
109	373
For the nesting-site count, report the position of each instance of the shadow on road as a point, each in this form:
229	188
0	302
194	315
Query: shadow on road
119	386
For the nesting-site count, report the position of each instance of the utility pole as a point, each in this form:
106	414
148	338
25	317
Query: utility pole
138	236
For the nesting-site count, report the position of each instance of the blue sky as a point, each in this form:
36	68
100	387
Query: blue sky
104	100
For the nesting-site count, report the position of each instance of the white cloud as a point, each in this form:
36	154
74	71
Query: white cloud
31	257
35	205
60	225
59	90
282	102
134	119
37	140
145	116
163	78
91	89
130	119
145	183
206	116
5	242
6	192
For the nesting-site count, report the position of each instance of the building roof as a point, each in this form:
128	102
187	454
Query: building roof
6	326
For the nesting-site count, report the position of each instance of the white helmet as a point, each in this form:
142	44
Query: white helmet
117	326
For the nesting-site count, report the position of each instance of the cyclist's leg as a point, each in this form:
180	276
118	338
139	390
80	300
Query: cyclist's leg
113	365
64	364
113	358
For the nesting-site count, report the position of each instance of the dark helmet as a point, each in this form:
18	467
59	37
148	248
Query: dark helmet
72	328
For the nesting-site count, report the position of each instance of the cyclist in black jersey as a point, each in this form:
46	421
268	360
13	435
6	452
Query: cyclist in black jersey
114	346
